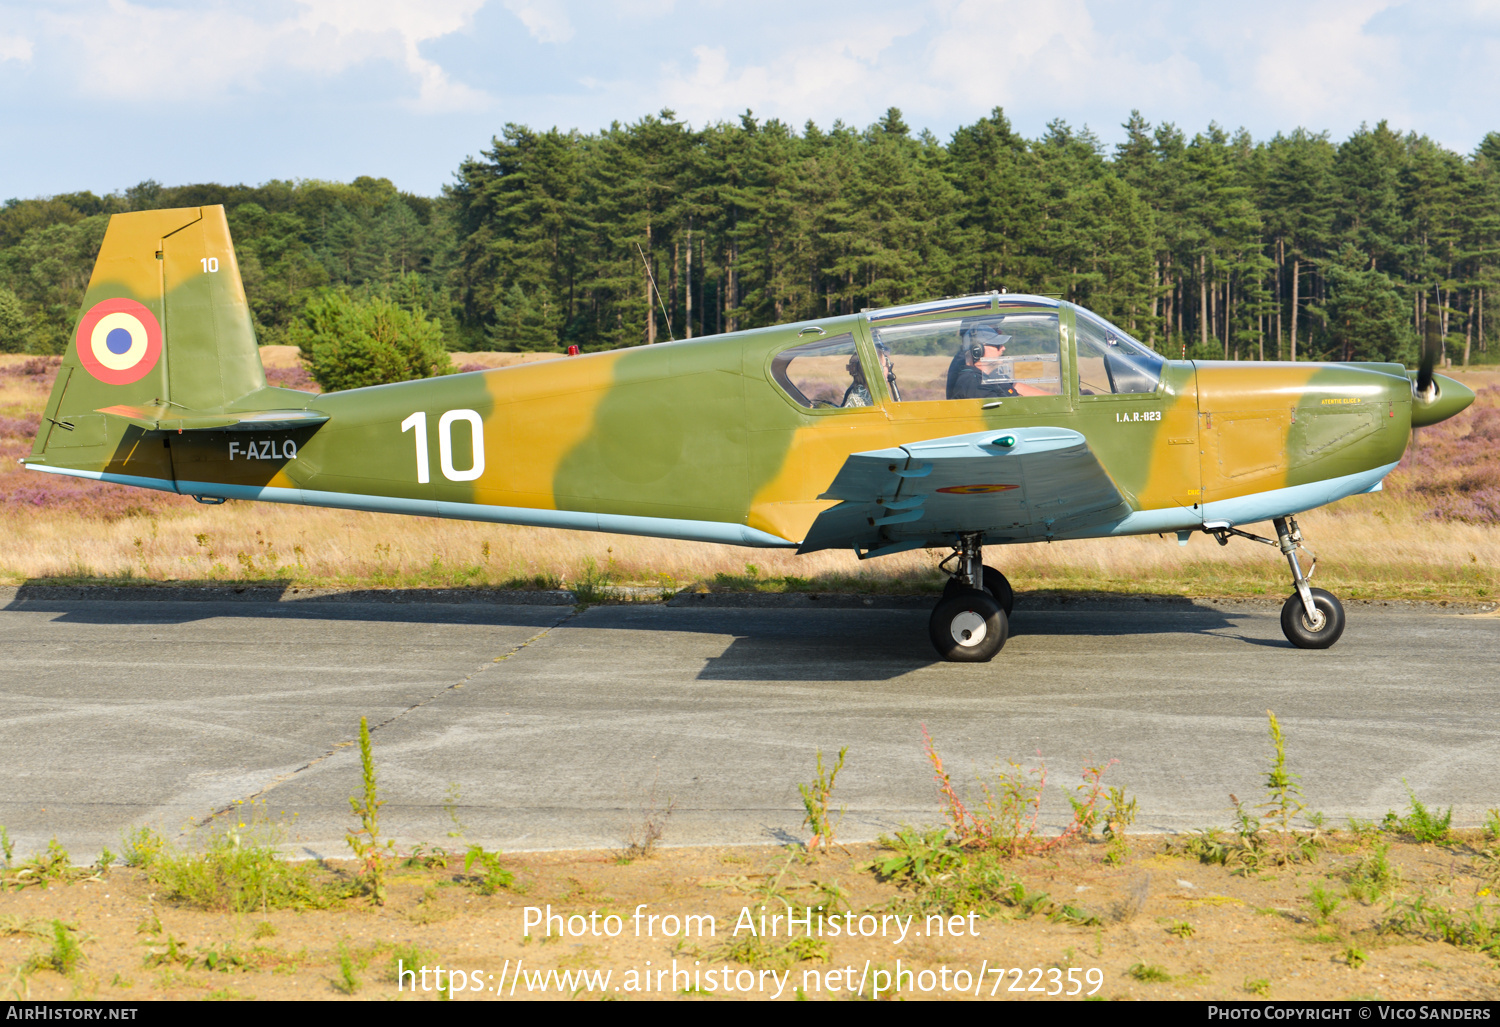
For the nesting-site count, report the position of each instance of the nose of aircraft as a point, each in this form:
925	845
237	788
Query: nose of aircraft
1444	398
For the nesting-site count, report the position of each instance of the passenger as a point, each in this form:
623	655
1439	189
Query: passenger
971	375
858	392
889	367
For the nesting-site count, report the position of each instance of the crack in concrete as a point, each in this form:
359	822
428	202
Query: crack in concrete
434	697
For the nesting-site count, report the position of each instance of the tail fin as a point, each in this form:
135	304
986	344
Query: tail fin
165	333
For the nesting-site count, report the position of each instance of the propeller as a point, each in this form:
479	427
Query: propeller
1425	387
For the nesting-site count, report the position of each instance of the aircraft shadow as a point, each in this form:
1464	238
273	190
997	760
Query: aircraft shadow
836	643
851	645
171	605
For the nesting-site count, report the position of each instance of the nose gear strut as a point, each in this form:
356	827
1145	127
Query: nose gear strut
1311	618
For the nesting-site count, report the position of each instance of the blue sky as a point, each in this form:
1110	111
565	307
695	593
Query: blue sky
100	94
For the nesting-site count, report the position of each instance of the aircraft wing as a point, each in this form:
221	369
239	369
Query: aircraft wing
1012	484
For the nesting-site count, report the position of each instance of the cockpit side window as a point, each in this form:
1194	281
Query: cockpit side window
1009	354
1110	362
823	373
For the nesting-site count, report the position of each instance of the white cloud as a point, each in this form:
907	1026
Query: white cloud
1274	66
1330	68
845	73
546	20
127	50
15	48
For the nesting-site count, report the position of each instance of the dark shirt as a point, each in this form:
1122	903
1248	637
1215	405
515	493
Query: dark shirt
954	367
969	383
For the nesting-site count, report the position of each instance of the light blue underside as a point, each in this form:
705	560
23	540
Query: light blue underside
1262	506
619	524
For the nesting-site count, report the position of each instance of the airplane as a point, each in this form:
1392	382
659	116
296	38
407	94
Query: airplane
992	419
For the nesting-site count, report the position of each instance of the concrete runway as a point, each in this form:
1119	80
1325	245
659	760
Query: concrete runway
563	729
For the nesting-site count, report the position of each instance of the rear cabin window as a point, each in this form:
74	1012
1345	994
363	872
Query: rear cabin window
1110	362
1008	354
823	373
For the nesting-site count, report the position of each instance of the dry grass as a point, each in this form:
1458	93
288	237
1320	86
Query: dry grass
1380	546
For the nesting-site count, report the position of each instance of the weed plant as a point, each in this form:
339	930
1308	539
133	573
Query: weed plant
1122	811
760	954
948	878
1006	816
66	954
52	864
1252	847
1421	824
348	980
493	877
1324	903
365	842
7	847
1285	794
1149	974
141	846
231	875
815	800
594	585
918	858
1372	875
647	832
1476	929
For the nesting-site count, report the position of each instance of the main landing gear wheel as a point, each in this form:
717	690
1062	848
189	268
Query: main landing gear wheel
1312	633
968	627
995	584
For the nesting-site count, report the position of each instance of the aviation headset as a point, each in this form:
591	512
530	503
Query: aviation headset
974	339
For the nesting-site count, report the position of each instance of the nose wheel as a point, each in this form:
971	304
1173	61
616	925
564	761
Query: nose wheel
1316	632
972	621
1311	618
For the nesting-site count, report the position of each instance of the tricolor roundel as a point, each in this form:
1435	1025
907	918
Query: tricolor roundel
119	341
976	490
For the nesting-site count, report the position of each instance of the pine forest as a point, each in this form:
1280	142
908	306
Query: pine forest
1210	246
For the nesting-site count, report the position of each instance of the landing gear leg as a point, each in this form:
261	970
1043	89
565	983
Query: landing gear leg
990	580
1311	618
969	625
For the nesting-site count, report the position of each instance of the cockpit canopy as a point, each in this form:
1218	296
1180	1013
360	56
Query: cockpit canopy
966	349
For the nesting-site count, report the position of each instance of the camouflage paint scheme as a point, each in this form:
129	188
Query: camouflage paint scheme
693	439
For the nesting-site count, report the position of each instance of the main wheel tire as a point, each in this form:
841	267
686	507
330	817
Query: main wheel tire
995	584
1301	632
968	627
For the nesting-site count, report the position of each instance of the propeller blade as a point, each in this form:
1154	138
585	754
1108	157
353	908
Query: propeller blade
1423	383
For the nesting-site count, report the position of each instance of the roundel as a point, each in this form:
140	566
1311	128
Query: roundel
976	490
119	341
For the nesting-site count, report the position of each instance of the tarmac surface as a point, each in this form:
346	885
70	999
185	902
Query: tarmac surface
534	726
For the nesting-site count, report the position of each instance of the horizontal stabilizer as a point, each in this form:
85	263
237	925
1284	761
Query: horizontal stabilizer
168	419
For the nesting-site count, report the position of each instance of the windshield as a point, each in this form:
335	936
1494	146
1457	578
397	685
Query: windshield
1110	362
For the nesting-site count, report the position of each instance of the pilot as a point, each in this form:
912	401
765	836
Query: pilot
971	375
858	392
